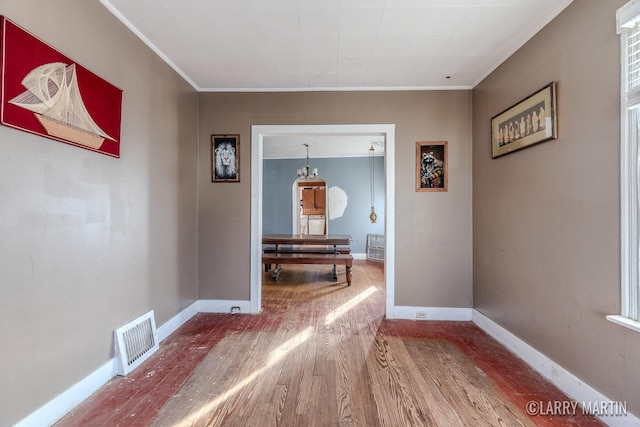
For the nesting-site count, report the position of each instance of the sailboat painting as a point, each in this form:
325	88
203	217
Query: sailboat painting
46	93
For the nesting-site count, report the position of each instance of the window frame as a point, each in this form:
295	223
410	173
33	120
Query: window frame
628	26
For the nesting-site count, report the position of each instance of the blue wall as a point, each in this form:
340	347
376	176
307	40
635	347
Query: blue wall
350	174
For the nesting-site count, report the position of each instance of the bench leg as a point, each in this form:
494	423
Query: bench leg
349	276
334	274
276	272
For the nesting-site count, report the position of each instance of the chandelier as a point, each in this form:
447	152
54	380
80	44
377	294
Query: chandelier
306	173
373	217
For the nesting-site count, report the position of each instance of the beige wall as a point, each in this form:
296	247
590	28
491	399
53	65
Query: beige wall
89	242
79	229
547	219
433	230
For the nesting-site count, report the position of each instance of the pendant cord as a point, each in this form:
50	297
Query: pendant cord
373	217
371	172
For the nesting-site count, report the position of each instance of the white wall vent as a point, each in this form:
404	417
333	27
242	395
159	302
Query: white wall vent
136	342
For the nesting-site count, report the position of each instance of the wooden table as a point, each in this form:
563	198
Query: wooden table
307	239
305	250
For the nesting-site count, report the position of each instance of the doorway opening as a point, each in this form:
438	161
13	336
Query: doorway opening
260	135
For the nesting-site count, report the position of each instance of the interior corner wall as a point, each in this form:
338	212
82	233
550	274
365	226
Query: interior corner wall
433	229
89	241
546	219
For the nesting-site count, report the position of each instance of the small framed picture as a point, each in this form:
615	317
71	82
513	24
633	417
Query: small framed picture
432	173
225	158
529	122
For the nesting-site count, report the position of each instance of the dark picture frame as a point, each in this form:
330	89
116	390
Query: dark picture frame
225	158
529	122
432	169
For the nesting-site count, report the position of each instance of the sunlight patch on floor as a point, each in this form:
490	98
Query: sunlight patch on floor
274	357
340	311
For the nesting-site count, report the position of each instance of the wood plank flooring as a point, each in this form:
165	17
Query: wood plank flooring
322	354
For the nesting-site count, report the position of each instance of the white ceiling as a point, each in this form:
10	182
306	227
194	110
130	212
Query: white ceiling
294	45
312	45
322	145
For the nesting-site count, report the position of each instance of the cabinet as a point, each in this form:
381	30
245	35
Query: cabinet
312	208
313	200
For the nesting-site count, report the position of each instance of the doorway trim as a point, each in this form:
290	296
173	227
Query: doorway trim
258	133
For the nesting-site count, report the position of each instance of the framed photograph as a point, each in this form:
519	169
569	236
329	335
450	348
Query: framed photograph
225	158
529	122
46	93
432	172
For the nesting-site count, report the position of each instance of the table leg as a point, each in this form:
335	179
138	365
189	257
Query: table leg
276	272
334	272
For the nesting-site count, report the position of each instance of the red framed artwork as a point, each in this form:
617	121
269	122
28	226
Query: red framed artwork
47	94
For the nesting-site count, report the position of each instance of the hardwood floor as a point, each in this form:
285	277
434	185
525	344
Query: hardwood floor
322	354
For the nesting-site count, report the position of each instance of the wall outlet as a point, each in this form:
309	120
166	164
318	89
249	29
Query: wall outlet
421	314
235	309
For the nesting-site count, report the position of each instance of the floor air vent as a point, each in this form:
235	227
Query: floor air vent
136	342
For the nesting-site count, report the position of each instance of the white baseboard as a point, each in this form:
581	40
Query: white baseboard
573	386
57	408
432	313
176	321
223	306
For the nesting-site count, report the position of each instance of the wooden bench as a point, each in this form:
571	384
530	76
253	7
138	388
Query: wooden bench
303	250
334	259
307	250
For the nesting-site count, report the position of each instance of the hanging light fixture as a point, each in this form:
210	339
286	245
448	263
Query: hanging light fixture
373	217
306	173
